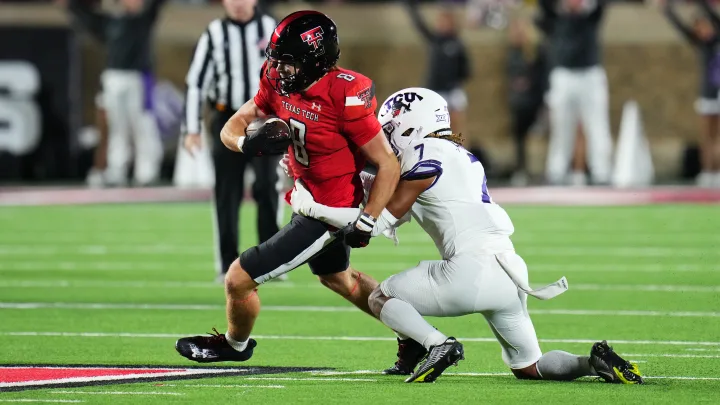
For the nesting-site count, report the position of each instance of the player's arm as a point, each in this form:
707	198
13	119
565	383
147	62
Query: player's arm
197	81
379	153
710	13
152	8
393	216
233	132
418	21
90	19
668	7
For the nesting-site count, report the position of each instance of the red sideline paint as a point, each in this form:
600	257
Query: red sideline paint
22	374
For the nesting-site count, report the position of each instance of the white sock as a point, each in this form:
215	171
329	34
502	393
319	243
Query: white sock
239	346
401	336
403	318
563	366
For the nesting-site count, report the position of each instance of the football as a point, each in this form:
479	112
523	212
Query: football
270	127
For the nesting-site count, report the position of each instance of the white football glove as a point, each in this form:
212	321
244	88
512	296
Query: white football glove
285	164
391	233
302	201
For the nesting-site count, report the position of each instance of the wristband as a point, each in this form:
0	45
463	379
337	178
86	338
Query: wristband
365	222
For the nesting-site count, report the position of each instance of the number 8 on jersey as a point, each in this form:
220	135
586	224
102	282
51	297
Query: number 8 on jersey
298	139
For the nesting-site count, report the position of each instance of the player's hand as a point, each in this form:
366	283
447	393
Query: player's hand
266	136
192	143
391	233
358	234
302	201
285	164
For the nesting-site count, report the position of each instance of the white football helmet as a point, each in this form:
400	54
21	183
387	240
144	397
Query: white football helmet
411	114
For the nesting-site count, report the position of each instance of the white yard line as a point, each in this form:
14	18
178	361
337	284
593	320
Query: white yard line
224	386
195	250
309	379
118	393
22	264
139	284
42	400
363	372
345	338
283	308
151	264
684	356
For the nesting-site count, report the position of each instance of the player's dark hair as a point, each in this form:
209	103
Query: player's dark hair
455	138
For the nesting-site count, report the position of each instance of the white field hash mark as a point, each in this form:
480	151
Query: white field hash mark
42	400
346	338
281	308
669	288
395	266
402	250
118	393
224	386
364	372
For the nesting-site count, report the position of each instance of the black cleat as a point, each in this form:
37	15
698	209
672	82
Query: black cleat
213	348
409	355
438	359
613	368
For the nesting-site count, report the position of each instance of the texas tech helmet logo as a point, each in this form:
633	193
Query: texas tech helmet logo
313	37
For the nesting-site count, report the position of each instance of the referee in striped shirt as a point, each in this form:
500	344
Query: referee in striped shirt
225	72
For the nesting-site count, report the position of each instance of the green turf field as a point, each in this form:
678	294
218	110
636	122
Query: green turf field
645	278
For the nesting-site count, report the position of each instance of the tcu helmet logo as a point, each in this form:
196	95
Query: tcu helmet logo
313	37
407	97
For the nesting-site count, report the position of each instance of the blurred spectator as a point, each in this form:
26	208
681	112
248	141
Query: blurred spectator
704	35
578	87
127	85
527	84
448	66
96	176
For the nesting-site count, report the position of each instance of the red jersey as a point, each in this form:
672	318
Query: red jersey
329	124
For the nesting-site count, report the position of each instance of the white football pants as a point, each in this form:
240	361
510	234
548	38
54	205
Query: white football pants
579	96
128	119
469	284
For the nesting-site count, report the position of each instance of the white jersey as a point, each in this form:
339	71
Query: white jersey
456	210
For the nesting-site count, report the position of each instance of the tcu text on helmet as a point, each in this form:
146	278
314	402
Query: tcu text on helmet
408	97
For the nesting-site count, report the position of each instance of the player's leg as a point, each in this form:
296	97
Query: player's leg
333	269
708	110
504	307
563	123
118	119
433	288
146	135
227	197
292	246
266	191
595	119
578	178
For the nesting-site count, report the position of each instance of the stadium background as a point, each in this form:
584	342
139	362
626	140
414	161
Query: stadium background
645	59
83	283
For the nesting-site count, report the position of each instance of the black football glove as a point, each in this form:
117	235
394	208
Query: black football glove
271	138
358	234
